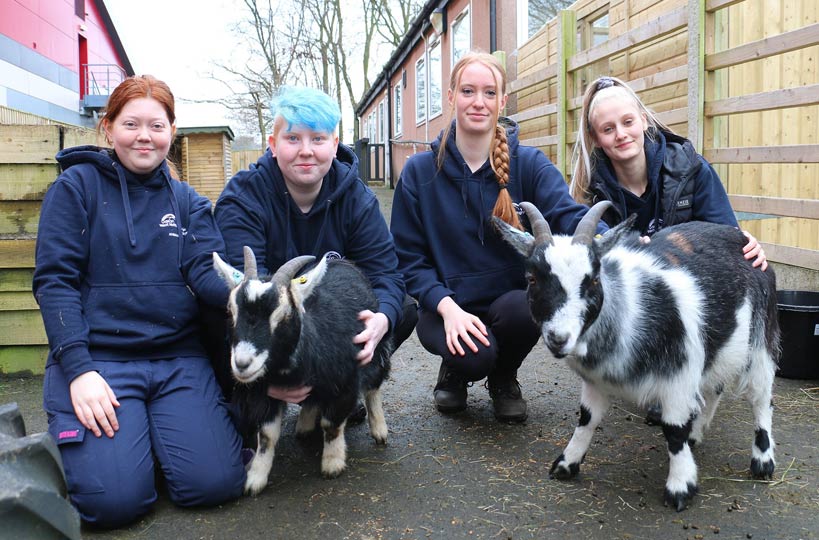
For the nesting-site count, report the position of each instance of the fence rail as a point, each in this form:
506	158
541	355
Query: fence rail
733	75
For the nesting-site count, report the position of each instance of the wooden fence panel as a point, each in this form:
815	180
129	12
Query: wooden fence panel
753	103
27	168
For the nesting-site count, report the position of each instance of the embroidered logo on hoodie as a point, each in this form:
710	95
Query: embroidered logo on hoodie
169	220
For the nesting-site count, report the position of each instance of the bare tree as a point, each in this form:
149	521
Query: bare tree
543	11
308	42
273	34
393	19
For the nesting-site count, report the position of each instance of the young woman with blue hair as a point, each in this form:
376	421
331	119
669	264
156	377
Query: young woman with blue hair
304	197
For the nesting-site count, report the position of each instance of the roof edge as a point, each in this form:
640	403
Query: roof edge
414	34
112	31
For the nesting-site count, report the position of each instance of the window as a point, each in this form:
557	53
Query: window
420	91
435	75
79	9
600	30
461	36
396	93
371	127
382	130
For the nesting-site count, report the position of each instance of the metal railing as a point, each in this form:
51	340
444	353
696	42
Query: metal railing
98	81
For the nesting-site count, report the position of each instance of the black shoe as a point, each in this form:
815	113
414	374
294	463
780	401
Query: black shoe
507	399
358	414
450	391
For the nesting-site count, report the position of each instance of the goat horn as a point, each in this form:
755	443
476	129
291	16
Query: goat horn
543	234
584	233
251	272
286	272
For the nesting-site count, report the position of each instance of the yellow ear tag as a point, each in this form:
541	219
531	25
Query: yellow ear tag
302	280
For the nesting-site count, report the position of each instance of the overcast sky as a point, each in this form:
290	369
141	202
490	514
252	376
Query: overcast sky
176	41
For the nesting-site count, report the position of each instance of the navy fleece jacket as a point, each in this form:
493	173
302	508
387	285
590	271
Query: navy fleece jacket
117	276
256	210
446	243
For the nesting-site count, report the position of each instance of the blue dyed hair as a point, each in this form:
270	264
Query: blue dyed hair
302	106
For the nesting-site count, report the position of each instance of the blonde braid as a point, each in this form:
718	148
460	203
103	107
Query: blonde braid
504	207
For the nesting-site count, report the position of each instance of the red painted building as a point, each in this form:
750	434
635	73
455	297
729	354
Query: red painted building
59	59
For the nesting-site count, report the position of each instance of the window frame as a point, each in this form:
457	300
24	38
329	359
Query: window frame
397	108
421	90
463	18
435	75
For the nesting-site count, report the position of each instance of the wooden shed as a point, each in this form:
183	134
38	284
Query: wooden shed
203	156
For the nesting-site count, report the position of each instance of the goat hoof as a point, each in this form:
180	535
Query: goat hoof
332	468
254	484
380	440
379	434
679	499
563	470
762	470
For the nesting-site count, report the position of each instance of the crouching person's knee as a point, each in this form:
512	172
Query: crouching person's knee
209	488
115	506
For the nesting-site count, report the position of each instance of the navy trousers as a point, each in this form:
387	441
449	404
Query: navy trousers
512	334
172	412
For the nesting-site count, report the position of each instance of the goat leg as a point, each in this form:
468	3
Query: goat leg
334	455
262	462
375	416
593	406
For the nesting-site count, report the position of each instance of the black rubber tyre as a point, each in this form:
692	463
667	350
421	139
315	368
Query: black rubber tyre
33	495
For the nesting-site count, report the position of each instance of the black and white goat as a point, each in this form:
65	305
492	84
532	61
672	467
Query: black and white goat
292	332
672	322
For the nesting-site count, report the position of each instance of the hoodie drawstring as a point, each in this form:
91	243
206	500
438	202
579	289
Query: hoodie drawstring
126	202
180	220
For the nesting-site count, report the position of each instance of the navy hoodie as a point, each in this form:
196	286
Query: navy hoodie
687	183
256	210
446	243
117	272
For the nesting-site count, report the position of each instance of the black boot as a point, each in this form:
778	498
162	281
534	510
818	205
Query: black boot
450	391
507	399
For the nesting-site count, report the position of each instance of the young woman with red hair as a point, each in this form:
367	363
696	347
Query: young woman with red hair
124	254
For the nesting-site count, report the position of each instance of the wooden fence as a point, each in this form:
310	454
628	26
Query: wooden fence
27	168
241	159
739	78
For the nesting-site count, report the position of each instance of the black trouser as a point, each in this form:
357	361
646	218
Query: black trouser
511	333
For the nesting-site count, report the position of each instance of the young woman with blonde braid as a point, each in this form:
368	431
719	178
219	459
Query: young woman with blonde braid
469	283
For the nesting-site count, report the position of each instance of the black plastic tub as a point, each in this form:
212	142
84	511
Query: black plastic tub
799	322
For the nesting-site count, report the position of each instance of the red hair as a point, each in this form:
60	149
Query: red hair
136	87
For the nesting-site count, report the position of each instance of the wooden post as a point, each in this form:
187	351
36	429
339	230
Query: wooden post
567	23
696	71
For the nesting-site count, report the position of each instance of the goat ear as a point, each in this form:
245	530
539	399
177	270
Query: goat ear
523	242
614	236
304	285
230	275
